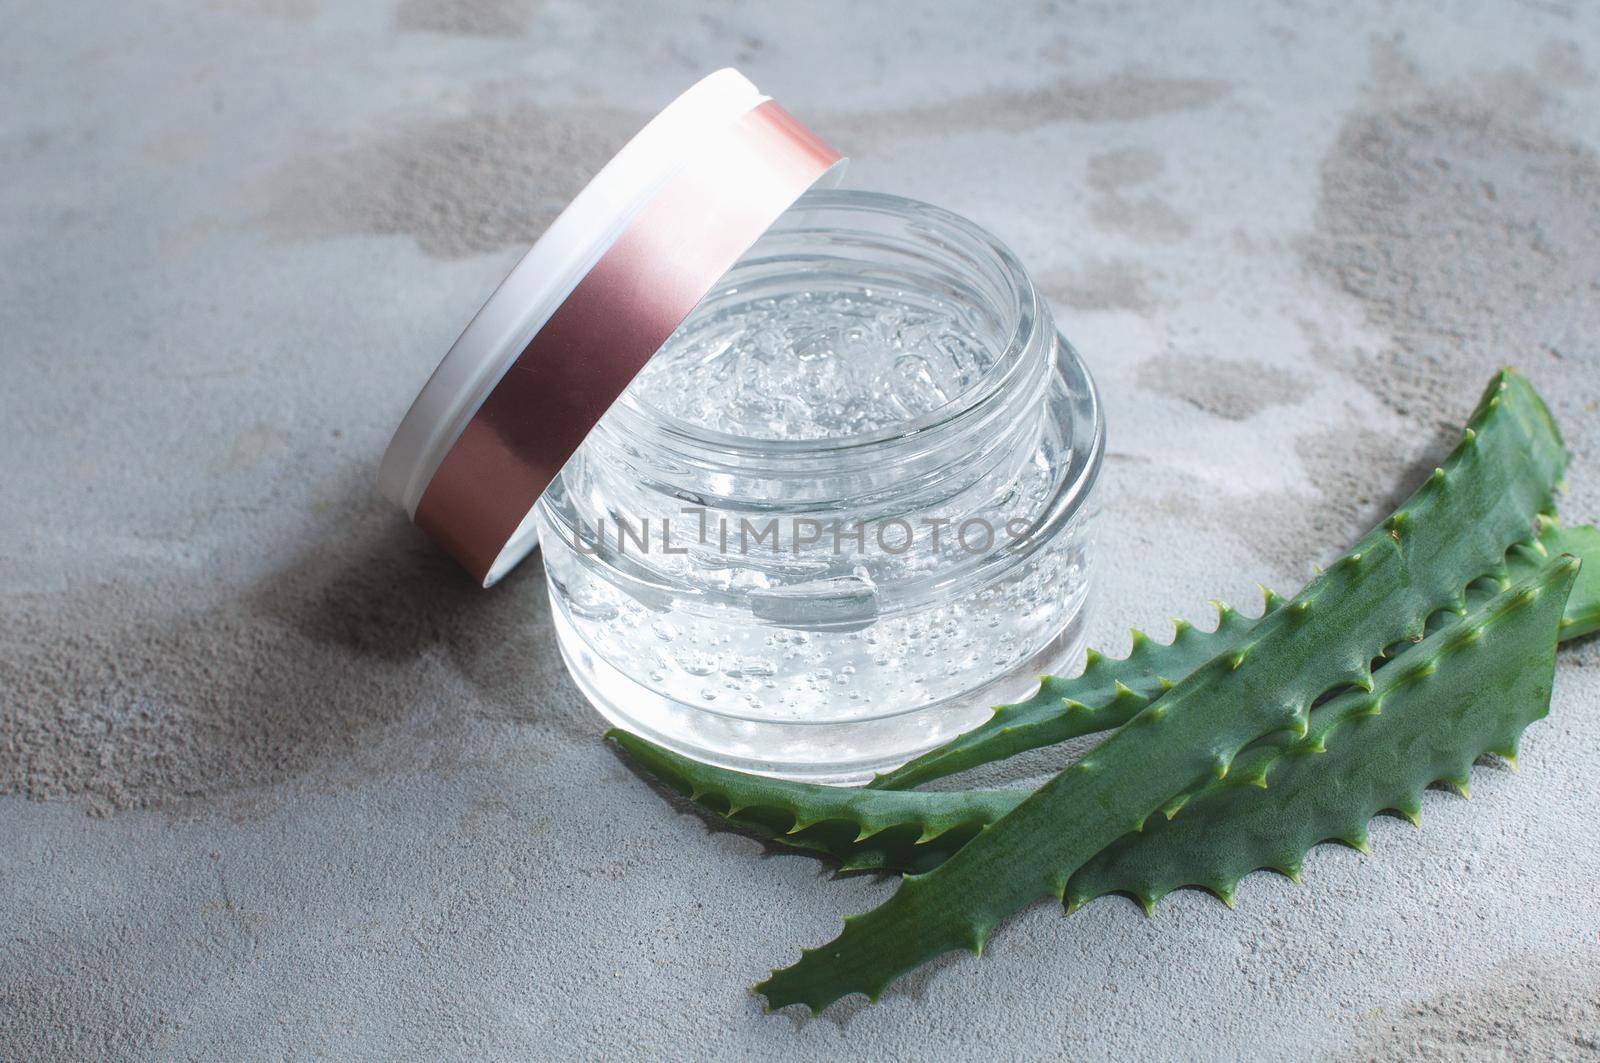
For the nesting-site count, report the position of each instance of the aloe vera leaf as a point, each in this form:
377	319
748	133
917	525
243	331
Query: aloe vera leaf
914	831
1469	689
1456	525
1111	691
862	829
1108	693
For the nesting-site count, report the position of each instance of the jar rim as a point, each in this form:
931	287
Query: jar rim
1020	310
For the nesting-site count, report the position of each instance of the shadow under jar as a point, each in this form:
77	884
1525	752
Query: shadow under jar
843	511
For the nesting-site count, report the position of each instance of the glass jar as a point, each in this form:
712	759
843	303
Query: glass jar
843	511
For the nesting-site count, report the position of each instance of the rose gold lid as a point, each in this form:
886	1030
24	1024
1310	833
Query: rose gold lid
577	319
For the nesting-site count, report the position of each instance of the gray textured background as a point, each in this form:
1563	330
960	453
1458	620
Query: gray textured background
275	781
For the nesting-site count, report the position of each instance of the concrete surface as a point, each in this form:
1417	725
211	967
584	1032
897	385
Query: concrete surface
277	783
